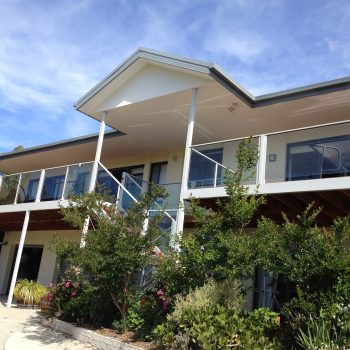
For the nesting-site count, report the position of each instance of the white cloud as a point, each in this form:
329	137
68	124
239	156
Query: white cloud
52	52
76	126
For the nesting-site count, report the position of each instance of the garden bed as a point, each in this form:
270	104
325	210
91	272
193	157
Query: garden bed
102	338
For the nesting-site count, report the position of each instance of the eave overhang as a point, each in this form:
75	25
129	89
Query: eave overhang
217	74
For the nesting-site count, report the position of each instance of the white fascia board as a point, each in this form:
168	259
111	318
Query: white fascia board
339	183
150	56
50	205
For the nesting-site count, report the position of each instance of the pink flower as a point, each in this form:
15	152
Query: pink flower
67	284
74	293
159	293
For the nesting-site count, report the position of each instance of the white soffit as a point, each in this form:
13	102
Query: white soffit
152	81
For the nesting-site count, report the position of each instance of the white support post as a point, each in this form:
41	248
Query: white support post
18	258
0	182
98	152
40	186
94	172
187	159
261	171
215	175
84	231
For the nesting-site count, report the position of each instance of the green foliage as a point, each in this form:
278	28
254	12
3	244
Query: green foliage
206	250
211	317
115	250
321	334
29	292
74	299
134	320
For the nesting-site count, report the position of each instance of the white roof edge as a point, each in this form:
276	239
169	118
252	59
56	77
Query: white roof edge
219	75
150	55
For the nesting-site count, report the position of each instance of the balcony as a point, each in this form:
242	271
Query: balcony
315	158
49	188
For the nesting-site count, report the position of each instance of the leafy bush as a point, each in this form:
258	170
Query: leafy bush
134	320
75	299
211	317
115	250
29	292
206	250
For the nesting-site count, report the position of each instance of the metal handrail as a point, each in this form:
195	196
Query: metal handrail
118	182
213	161
273	133
142	191
37	170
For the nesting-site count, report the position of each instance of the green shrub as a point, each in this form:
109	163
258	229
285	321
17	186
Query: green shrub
321	335
75	299
29	292
134	320
211	317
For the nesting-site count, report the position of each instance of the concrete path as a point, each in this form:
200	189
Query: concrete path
21	329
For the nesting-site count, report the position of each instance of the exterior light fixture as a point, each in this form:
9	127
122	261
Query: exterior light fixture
233	108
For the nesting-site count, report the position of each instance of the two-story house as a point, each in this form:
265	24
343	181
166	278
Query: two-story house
176	122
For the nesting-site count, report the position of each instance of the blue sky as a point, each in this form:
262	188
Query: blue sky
52	52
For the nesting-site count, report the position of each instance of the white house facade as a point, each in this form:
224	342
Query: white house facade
175	122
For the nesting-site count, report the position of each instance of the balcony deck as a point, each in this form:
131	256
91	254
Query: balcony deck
308	160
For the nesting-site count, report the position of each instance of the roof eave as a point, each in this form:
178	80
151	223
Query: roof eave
149	55
59	144
220	76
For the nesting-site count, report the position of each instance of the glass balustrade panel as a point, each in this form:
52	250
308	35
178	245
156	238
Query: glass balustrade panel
205	173
53	184
8	189
314	153
78	179
28	187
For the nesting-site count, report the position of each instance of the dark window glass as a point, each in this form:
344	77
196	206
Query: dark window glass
202	170
158	173
53	187
32	189
320	158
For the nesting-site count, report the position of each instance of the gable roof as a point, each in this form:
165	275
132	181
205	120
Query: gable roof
218	74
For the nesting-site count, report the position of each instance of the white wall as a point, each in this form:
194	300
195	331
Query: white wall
48	261
174	159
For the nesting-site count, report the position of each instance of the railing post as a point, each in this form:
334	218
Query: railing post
65	182
18	258
0	182
18	187
40	186
215	174
187	159
261	171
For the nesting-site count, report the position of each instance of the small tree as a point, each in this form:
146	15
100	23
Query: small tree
206	250
117	246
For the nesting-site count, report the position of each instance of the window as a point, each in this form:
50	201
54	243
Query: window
53	187
31	191
321	158
202	170
158	173
81	183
